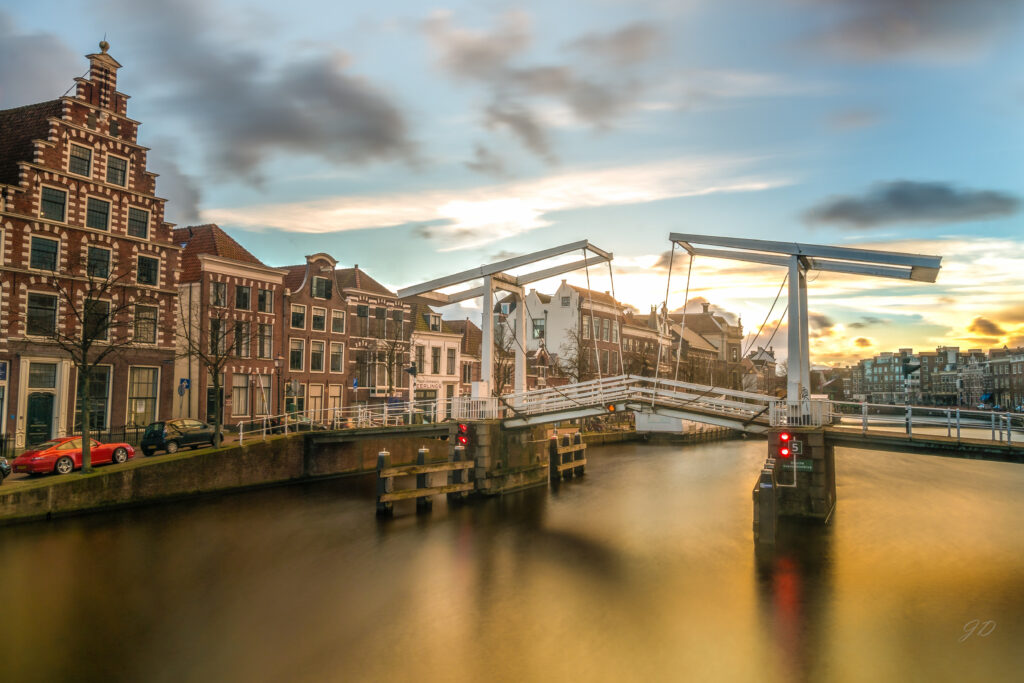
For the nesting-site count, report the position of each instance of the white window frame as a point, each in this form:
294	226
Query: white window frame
331	356
291	316
127	224
128	392
312	288
110	258
50	239
248	388
156	322
302	354
270	300
67	199
334	315
312	314
127	170
138	271
92	156
110	212
323	355
56	313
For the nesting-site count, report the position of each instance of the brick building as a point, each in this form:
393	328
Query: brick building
469	352
231	299
437	354
78	207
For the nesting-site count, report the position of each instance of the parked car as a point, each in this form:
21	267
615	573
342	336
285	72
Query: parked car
65	454
172	435
5	469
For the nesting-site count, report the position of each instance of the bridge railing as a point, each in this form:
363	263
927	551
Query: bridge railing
954	422
803	413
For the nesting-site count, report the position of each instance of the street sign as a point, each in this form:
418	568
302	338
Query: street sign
355	382
804	465
183	385
796	447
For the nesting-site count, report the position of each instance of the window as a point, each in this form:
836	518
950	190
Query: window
96	321
261	399
294	401
42	375
265	341
90	120
421	362
138	222
298	317
604	360
265	301
615	331
316	400
98	262
97	214
316	356
337	357
586	327
241	339
242	297
505	307
44	254
451	361
53	203
538	328
42	314
381	314
467	373
296	349
117	170
145	324
321	288
435	323
397	317
435	360
142	388
98	391
565	302
239	394
149	271
318	322
218	294
80	160
607	329
338	322
218	336
334	397
362	311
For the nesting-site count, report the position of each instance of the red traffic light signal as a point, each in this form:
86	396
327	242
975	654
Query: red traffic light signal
784	440
463	436
611	407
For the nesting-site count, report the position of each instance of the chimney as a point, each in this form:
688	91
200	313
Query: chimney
705	305
103	75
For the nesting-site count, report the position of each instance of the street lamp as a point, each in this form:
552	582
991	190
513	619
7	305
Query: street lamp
278	362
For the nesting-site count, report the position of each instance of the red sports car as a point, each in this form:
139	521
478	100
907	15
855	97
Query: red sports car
65	454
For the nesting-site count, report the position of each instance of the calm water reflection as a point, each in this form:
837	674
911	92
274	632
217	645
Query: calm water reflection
644	570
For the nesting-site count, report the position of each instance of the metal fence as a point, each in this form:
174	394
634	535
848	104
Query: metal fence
129	434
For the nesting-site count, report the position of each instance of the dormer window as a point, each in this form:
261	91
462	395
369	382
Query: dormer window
505	308
435	322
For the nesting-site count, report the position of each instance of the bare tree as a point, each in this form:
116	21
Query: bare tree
393	352
212	340
504	359
576	356
94	300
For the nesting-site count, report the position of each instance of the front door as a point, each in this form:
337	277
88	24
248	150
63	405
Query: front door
39	422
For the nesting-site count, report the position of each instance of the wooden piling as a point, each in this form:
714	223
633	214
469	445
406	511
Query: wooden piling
385	485
423	503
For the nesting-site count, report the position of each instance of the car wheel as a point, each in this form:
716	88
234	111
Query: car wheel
120	455
64	465
171	447
147	451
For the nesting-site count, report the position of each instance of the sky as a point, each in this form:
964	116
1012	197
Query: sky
418	140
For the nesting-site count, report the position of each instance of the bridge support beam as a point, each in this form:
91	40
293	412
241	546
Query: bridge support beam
797	483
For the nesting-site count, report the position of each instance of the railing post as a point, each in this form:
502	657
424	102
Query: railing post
994	427
1009	429
909	420
949	424
864	416
241	432
958	423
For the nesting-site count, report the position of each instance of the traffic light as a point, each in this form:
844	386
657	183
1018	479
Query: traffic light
611	407
462	438
785	449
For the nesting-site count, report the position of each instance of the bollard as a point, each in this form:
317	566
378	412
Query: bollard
567	473
765	509
579	454
384	485
553	460
458	454
423	503
864	417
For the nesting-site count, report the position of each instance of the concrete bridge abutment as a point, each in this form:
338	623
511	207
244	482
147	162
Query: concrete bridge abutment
798	480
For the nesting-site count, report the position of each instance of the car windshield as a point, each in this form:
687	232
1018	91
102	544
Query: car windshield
155	427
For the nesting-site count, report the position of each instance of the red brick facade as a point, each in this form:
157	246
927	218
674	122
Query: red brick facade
74	185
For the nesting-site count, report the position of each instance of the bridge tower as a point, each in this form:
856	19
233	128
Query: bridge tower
801	482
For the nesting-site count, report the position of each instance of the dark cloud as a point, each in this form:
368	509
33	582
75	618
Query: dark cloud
909	201
865	321
524	124
983	341
487	162
849	119
862	342
942	30
503	255
986	327
1014	314
630	44
180	190
36	66
819	321
246	107
489	58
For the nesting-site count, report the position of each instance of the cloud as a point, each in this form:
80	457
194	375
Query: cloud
862	342
934	30
1014	314
487	162
819	321
904	201
865	321
518	95
984	326
464	218
633	43
247	108
36	66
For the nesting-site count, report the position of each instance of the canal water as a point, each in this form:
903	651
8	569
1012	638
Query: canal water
644	570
